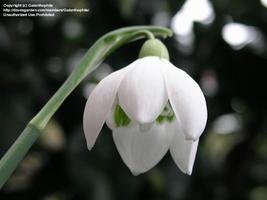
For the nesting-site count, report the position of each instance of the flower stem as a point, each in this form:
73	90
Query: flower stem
148	34
17	151
94	56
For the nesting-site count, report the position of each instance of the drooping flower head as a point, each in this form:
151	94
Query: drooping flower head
151	106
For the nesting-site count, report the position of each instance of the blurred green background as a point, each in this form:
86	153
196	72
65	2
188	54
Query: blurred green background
220	43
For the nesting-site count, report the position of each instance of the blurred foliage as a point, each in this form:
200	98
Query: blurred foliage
37	54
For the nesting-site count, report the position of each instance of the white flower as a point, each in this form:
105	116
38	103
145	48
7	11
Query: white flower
151	107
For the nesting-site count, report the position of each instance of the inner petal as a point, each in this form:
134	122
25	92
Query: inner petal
167	115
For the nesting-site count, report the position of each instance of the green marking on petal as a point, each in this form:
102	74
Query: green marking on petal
120	117
160	119
167	115
170	118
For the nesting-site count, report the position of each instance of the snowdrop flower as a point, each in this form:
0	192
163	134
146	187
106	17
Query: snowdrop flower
151	106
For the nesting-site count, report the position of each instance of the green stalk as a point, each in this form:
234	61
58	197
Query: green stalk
94	56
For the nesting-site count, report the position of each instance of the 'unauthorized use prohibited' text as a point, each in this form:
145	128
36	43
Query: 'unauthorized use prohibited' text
37	10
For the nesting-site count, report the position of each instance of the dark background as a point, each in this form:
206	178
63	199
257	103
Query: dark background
37	54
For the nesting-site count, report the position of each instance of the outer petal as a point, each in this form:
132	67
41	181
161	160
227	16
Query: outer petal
141	149
99	104
187	100
182	151
142	93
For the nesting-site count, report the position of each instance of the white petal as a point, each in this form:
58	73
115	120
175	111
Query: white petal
182	151
99	105
142	93
187	100
110	121
141	150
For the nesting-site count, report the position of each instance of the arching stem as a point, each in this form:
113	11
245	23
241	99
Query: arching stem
94	56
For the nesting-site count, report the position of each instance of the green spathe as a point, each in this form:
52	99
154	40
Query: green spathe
154	47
